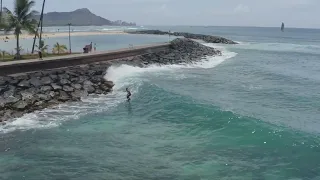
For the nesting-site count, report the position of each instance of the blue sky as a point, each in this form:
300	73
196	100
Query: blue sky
266	13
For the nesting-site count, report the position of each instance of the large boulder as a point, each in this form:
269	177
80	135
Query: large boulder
54	77
63	76
10	91
77	94
64	82
109	84
76	86
46	88
67	88
55	86
21	105
24	84
45	97
46	80
64	96
89	89
35	82
29	95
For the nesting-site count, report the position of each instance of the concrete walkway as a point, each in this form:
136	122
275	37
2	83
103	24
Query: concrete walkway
21	66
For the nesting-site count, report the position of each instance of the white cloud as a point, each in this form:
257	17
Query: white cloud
241	9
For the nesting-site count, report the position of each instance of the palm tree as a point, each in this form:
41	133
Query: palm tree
59	48
21	18
43	48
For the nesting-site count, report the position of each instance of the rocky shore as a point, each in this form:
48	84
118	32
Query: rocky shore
205	38
28	92
181	50
25	93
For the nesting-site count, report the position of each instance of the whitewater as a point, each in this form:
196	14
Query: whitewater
123	76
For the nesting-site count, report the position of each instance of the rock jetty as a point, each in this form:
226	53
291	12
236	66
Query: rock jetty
28	92
206	38
182	50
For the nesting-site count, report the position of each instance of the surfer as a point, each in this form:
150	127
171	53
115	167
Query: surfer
128	94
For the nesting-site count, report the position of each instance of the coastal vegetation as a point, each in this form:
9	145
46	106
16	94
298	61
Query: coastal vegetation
18	20
59	48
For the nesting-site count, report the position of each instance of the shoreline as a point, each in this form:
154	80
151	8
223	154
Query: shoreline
61	34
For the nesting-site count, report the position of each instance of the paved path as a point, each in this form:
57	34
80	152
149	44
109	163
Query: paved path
22	66
66	57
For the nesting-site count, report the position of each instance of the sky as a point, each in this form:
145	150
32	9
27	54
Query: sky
264	13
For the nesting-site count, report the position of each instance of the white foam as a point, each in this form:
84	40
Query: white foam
123	76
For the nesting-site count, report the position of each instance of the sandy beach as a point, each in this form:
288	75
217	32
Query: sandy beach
62	34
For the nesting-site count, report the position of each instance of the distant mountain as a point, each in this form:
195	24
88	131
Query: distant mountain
79	17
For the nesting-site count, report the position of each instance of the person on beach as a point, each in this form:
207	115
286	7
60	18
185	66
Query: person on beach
128	94
40	55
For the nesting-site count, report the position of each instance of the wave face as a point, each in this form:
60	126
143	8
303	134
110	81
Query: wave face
249	114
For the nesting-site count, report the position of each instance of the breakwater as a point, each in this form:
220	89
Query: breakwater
205	38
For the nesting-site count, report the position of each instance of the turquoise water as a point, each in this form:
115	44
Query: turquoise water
251	114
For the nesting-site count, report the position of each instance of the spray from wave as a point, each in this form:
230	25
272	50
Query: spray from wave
123	76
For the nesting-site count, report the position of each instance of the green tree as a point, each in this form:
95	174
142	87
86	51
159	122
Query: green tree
21	18
59	48
43	47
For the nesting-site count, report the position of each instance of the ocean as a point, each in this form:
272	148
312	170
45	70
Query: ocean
252	113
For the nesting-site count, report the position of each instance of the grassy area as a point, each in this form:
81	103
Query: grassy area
31	56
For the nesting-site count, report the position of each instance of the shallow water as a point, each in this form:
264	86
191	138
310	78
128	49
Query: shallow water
250	114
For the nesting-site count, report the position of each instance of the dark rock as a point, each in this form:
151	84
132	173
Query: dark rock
82	79
64	96
52	94
96	79
74	79
46	88
104	88
56	87
45	97
64	81
24	84
89	89
63	76
9	92
76	86
35	82
46	81
77	94
54	77
36	74
91	72
72	74
67	88
87	83
14	81
21	76
39	103
3	89
7	115
21	105
98	91
109	84
2	81
2	102
29	95
11	100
